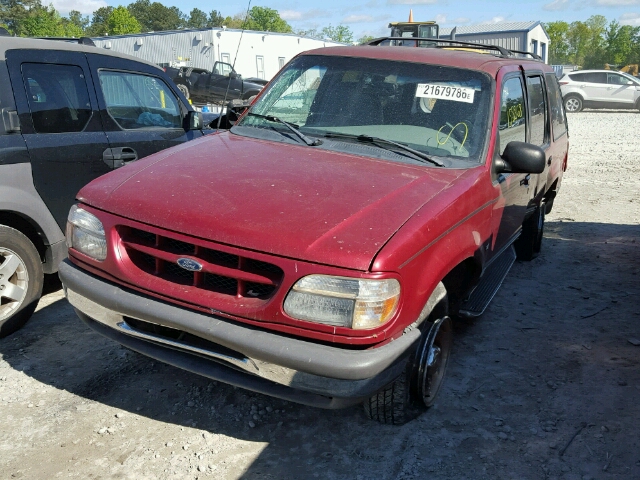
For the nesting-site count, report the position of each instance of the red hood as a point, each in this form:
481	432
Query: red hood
295	201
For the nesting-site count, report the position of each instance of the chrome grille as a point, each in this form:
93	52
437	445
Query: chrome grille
223	272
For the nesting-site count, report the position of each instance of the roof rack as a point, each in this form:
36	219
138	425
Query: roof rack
503	52
81	40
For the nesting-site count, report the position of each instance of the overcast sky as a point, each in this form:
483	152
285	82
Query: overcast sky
371	17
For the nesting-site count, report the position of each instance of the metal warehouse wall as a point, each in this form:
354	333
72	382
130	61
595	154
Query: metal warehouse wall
261	54
511	40
165	47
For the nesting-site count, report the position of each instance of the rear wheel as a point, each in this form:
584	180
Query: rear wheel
529	244
417	387
184	89
573	103
21	280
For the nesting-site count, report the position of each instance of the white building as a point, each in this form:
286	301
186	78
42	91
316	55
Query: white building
260	54
522	36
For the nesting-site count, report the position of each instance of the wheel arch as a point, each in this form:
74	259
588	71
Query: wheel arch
28	227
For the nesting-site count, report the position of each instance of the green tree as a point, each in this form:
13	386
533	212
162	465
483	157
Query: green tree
313	33
237	21
155	17
100	22
578	37
341	33
266	20
42	22
365	39
197	19
215	19
121	22
558	42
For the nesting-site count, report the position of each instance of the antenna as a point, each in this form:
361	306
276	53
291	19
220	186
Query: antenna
244	24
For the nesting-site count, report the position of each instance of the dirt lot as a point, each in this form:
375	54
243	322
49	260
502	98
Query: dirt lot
545	385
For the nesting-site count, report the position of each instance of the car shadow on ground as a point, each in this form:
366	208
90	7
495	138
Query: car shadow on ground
495	372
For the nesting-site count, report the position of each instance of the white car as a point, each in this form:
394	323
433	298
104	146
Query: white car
599	89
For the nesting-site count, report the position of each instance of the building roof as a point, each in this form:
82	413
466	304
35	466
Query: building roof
491	28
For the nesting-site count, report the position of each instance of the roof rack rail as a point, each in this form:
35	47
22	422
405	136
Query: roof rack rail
81	40
503	52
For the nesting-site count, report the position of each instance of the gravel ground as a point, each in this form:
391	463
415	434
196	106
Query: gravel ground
546	384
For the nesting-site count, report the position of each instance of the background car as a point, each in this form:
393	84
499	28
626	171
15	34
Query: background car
599	89
70	113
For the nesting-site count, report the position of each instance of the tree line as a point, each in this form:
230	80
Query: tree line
593	43
30	18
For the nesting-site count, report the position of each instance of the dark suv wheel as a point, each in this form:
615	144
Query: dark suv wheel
417	387
21	280
573	103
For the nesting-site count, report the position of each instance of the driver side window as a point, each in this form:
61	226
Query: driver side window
221	68
513	113
139	101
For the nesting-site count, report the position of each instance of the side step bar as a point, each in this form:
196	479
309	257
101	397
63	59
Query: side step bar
489	284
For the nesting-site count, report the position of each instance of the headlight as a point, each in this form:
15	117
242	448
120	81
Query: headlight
342	301
85	233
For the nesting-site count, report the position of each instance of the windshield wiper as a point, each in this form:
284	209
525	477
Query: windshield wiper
291	126
377	141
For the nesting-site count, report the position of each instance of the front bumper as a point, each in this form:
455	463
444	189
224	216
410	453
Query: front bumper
304	372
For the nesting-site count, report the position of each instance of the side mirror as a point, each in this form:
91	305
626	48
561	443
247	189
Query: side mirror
233	74
521	157
194	121
629	82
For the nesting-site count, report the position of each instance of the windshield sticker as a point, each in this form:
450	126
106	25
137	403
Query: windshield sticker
445	92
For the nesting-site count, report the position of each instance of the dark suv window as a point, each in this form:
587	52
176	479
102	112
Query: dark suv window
615	79
58	97
139	101
538	111
589	77
558	119
512	113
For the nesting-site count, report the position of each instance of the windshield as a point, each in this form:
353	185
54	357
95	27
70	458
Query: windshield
439	111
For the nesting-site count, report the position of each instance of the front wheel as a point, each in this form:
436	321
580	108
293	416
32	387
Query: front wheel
573	104
417	387
529	244
21	280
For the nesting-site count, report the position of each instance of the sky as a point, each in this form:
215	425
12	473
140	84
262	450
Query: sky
371	17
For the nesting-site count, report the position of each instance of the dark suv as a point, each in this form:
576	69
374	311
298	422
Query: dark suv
319	251
70	113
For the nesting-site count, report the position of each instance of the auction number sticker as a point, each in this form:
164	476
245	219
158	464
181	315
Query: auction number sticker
445	92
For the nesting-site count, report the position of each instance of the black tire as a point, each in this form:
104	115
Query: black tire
529	244
21	282
416	389
573	103
184	89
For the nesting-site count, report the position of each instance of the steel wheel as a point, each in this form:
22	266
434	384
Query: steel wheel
573	104
14	280
432	358
21	279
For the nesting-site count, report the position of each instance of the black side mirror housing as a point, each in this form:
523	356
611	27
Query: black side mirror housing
521	157
233	74
194	121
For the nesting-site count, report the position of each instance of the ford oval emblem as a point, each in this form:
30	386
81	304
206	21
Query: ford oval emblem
189	264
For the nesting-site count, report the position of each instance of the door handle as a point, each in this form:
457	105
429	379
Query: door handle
525	181
119	156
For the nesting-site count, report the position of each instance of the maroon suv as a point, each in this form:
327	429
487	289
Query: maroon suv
318	250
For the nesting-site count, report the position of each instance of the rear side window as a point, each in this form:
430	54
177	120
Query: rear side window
590	77
139	101
537	111
512	113
558	118
58	97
